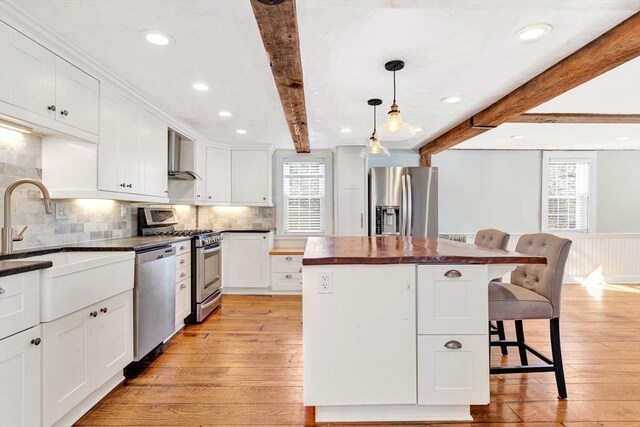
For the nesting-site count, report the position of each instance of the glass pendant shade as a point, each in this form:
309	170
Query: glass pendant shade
394	129
374	148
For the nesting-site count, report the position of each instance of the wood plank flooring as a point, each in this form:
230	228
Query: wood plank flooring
243	366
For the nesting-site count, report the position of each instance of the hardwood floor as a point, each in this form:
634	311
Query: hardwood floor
243	366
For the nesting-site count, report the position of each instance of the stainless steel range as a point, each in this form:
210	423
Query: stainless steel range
206	258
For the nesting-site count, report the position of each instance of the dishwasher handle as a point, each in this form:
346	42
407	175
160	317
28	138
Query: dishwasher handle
155	254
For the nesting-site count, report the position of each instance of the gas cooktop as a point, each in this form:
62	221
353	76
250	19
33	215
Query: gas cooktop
187	233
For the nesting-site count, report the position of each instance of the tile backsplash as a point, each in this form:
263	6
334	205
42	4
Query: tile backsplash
21	157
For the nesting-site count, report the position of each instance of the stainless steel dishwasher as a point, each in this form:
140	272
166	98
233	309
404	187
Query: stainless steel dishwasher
154	299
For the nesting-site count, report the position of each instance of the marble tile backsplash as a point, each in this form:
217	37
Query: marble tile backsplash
237	217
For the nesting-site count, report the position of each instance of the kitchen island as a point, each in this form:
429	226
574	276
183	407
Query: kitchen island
396	328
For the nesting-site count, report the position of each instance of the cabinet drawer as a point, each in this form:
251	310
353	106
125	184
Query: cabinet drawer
452	299
182	247
286	281
19	302
183	260
183	273
286	263
453	370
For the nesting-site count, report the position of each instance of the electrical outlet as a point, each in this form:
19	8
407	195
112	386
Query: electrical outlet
62	211
325	283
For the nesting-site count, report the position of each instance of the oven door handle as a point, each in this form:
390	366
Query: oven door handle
210	251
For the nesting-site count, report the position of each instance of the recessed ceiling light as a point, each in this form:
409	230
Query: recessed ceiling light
451	99
225	114
622	138
241	131
200	86
418	129
533	32
158	38
345	130
517	136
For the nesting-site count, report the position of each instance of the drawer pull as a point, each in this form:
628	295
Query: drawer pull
104	310
93	314
2	291
289	258
184	285
453	345
36	341
182	248
452	273
300	271
183	274
183	261
288	276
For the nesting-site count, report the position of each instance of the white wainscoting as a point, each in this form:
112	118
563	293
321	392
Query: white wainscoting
612	258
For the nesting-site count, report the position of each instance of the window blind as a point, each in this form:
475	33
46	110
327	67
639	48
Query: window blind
568	194
304	196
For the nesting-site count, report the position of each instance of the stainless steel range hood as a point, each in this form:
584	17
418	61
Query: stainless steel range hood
177	168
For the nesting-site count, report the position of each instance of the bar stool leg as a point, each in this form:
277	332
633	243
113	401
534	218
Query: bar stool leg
521	348
554	327
502	336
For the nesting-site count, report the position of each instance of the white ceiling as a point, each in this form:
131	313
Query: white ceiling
455	47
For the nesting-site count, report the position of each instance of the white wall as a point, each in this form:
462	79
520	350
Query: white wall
618	193
405	158
488	189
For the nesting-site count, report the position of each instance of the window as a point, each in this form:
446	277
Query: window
568	192
304	201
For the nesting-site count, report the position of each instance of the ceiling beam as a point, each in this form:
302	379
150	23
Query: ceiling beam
278	26
615	47
587	118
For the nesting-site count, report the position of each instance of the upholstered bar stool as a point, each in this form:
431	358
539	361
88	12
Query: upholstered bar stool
494	239
534	293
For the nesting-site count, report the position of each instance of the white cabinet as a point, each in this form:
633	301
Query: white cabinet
19	302
246	260
218	176
183	282
83	350
199	186
20	357
286	272
42	88
132	153
351	192
251	178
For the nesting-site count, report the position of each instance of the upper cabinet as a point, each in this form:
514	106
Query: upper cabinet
351	191
218	175
41	88
251	178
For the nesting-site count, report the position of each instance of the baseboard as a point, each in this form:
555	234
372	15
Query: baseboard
257	291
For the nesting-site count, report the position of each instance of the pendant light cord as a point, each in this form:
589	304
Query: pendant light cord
394	86
374	118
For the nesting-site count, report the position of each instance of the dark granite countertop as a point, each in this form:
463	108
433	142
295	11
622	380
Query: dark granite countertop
406	250
8	268
248	230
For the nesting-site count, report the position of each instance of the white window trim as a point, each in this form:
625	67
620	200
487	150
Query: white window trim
290	155
592	158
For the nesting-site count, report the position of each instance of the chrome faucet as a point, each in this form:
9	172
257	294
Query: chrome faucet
7	231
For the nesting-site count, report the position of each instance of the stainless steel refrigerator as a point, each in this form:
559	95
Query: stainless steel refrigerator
403	201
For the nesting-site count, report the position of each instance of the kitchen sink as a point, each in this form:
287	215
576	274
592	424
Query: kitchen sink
79	279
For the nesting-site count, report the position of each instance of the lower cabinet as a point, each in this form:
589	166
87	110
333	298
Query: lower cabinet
83	350
183	282
20	358
286	272
246	262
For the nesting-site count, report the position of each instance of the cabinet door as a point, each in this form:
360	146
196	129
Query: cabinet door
27	73
248	260
76	97
111	147
218	175
200	185
251	177
453	299
153	138
20	379
68	362
183	301
351	188
132	153
453	370
114	336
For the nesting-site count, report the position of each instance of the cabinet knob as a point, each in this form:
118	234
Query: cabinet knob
64	113
184	285
36	341
51	107
123	185
103	310
453	345
197	195
93	314
264	237
2	291
183	274
264	198
209	197
452	273
288	258
129	186
183	261
182	248
288	276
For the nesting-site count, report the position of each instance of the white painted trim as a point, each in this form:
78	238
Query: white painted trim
257	291
392	413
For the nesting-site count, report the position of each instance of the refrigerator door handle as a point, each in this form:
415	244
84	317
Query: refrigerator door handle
409	206
403	208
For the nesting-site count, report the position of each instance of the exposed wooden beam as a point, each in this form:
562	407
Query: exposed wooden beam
425	159
575	118
615	47
278	26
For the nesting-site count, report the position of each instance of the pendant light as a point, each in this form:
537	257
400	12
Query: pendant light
394	129
374	148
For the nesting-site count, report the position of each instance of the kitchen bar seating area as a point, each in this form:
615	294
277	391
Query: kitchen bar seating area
320	213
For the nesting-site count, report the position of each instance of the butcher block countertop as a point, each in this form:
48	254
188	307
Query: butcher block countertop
406	250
